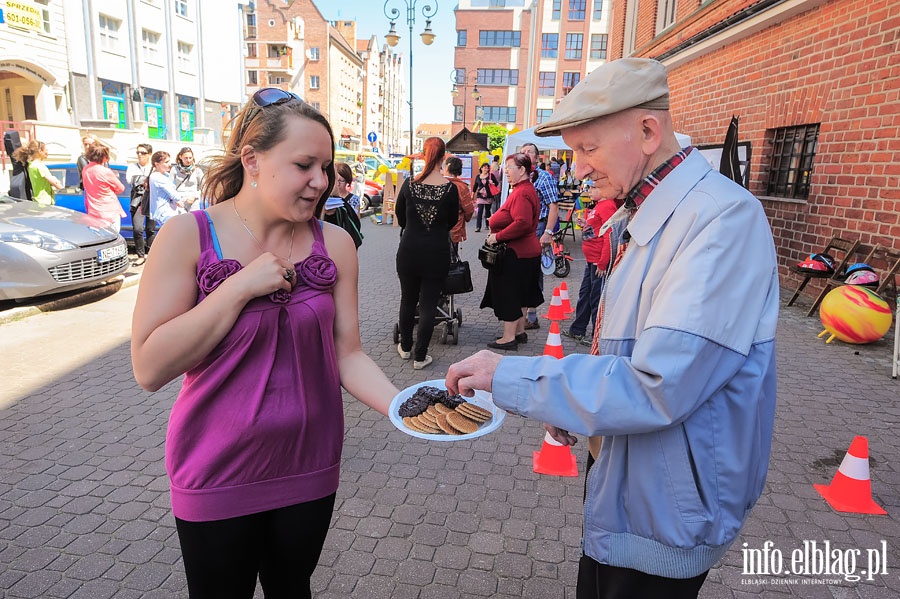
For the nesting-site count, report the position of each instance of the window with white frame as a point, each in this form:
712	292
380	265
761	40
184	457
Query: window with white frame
598	45
251	50
252	77
109	33
185	56
150	45
313	82
45	15
181	8
314	53
665	14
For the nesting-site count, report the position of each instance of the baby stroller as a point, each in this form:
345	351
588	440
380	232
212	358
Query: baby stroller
448	317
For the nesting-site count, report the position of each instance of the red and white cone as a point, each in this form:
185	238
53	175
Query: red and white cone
850	489
564	298
556	311
554	458
553	347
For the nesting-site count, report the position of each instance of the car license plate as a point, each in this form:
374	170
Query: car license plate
111	253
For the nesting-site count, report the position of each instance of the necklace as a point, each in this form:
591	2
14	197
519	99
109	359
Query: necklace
253	237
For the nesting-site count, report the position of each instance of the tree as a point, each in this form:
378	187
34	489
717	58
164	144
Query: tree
496	135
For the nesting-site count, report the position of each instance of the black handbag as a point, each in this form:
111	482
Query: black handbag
459	278
491	256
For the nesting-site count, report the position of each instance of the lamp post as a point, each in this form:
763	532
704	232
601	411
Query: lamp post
392	38
476	95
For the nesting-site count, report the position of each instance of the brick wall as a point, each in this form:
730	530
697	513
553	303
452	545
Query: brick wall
837	65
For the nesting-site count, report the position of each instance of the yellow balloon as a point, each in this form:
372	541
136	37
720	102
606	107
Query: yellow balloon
382	169
404	164
497	152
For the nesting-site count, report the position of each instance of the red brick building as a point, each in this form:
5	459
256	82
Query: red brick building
816	84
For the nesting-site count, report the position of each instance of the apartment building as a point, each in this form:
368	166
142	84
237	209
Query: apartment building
354	84
817	89
515	59
171	67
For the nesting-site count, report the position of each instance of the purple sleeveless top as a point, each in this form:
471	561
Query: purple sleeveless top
259	423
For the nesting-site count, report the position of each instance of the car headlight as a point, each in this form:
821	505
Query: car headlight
44	241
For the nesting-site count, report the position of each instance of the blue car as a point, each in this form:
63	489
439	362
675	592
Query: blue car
71	197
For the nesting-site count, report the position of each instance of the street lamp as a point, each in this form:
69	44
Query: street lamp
476	95
392	38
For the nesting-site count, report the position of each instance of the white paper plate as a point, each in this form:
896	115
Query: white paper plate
481	399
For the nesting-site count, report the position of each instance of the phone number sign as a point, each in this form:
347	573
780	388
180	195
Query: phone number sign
24	15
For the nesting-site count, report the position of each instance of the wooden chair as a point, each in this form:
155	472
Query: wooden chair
846	246
887	286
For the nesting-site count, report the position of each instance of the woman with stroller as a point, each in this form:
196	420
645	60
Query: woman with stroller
427	208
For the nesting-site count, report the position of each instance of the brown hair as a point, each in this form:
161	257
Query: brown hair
520	159
433	149
97	152
26	153
454	165
343	170
261	128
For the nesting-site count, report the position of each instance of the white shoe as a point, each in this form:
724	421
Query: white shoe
420	365
406	355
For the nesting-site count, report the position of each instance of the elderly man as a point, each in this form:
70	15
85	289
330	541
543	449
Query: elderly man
681	381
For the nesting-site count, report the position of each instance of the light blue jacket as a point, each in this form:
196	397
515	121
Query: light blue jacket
683	392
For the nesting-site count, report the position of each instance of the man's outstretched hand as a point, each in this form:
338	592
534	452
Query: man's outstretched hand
475	372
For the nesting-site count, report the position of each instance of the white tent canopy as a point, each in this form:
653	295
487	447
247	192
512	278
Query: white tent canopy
555	142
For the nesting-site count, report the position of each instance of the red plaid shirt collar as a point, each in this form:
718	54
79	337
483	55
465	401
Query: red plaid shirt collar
639	192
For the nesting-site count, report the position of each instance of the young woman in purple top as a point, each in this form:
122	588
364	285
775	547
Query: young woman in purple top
255	301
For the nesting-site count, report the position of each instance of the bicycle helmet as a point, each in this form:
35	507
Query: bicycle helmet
857	267
818	263
548	261
863	276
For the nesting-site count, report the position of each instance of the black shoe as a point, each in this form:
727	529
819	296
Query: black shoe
138	261
478	230
579	338
522	338
532	325
509	345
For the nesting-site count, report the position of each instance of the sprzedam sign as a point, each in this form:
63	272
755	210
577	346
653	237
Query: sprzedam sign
24	15
813	559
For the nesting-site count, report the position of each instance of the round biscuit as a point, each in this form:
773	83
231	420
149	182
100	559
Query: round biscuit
445	426
461	423
441	408
423	423
474	413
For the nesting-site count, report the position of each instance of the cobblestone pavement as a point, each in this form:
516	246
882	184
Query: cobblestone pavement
84	507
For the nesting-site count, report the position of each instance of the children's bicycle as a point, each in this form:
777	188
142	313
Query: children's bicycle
561	254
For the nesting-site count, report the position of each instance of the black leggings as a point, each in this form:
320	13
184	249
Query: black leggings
424	292
223	558
139	223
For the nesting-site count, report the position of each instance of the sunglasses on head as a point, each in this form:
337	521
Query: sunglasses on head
268	96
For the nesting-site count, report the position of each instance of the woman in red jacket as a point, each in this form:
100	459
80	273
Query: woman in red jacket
516	283
102	187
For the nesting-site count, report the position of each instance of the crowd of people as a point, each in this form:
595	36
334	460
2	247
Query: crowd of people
253	300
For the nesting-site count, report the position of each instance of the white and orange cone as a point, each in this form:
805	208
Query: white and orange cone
556	311
850	489
554	458
564	298
553	347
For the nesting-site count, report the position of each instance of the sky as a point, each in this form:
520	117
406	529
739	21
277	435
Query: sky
432	65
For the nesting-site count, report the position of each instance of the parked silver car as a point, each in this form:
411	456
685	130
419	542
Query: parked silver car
49	249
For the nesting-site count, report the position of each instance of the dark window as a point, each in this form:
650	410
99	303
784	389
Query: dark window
598	45
458	113
252	78
498	77
598	10
500	114
576	10
791	164
549	45
570	80
543	114
29	107
557	5
499	39
574	42
461	35
547	83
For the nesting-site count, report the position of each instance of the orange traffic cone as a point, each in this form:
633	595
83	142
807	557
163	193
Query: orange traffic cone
553	347
556	310
554	458
564	298
850	489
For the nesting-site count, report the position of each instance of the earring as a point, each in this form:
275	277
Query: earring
254	184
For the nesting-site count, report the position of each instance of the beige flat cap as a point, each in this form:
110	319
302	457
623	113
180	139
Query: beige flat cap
613	87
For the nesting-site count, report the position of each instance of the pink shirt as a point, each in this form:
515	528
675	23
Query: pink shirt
101	189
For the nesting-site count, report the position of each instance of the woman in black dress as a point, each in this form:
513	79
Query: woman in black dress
427	208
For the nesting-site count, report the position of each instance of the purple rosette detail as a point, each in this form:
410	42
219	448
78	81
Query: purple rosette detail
318	272
280	296
212	275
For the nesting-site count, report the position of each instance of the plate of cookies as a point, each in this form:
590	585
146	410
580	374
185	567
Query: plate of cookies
427	411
